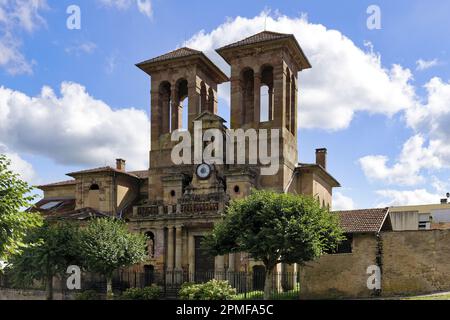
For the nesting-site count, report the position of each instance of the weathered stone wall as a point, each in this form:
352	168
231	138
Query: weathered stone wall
12	294
340	275
415	262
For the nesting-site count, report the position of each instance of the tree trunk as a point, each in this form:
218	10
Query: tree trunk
109	290
49	287
268	284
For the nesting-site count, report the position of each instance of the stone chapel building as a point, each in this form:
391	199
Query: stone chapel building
176	205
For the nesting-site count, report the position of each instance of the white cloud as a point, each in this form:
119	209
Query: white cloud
110	64
406	197
428	149
119	4
144	6
341	202
16	15
87	47
426	64
406	171
19	165
74	128
344	78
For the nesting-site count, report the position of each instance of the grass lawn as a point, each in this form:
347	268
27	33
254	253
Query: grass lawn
259	295
445	296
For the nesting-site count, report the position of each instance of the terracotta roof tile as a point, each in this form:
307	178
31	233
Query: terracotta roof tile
80	214
60	183
360	221
101	169
55	205
178	53
257	38
143	174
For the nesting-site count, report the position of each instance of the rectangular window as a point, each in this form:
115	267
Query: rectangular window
345	246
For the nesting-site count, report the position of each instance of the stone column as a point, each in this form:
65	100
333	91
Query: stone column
295	106
170	249
237	113
194	104
191	257
220	267
156	116
279	97
177	112
231	272
232	262
288	103
271	115
257	98
178	254
170	253
165	128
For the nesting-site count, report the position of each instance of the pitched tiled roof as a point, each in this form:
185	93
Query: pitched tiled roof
257	38
314	166
78	215
366	220
101	169
51	206
57	184
142	174
267	37
178	53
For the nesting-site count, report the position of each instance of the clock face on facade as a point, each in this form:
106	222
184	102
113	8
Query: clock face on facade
203	171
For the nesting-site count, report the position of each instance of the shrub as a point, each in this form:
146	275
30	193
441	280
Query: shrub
147	293
88	295
212	290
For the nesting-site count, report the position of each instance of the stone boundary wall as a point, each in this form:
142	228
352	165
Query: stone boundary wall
415	262
14	294
412	263
340	275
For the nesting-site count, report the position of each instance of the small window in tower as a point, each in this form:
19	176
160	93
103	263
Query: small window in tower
237	189
94	187
173	193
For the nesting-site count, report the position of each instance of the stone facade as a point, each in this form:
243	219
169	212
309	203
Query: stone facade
172	204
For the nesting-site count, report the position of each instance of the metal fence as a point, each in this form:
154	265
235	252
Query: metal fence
247	285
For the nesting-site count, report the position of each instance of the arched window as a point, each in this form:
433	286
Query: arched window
150	247
165	106
94	196
267	113
183	104
203	98
94	187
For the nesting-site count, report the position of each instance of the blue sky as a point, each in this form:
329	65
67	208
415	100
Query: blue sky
385	127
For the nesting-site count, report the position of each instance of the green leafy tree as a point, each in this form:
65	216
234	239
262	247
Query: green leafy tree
107	245
14	221
50	250
275	228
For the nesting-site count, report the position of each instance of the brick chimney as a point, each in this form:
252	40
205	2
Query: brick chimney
321	157
120	164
